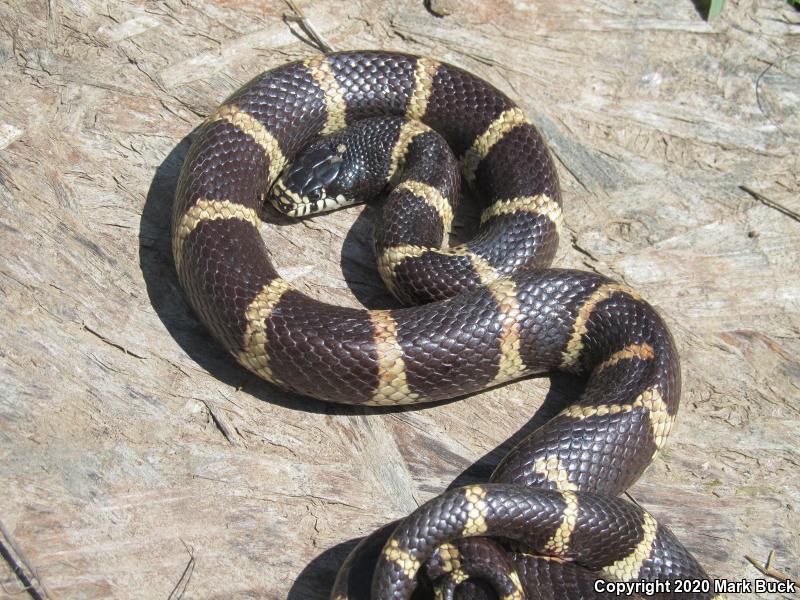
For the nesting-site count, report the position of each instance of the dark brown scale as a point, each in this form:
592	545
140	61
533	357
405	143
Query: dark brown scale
603	453
320	167
430	160
354	578
516	241
220	284
556	580
223	164
407	219
472	589
462	107
480	559
321	350
454	347
398	224
288	102
367	148
374	83
450	347
546	298
498	178
640	324
531	516
418	280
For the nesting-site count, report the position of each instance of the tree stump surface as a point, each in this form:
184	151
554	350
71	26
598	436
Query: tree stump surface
137	460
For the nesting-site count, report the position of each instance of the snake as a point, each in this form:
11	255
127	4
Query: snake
334	129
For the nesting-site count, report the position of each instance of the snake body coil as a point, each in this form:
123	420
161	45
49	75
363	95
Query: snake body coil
494	314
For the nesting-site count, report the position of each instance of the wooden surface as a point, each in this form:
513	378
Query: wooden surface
138	461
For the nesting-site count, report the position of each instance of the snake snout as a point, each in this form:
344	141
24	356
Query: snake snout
285	200
302	188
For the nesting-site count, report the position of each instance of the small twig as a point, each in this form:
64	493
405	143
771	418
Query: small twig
758	92
632	499
25	579
180	588
220	422
305	24
112	344
581	249
770	571
771	203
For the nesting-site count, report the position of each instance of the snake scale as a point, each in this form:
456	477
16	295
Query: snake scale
549	524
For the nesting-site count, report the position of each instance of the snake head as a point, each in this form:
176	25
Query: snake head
311	183
348	167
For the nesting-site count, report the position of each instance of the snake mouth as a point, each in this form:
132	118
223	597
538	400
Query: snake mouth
288	202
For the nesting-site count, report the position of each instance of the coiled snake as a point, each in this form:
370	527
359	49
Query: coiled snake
491	312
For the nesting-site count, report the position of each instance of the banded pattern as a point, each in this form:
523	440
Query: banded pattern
496	131
474	559
332	92
630	545
246	123
434	198
408	132
536	205
574	349
492	312
392	384
210	210
424	72
254	355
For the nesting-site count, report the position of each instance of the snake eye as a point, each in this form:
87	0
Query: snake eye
315	194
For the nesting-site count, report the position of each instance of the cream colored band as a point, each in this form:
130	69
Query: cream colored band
571	355
640	351
434	198
476	511
511	365
497	129
254	344
540	205
209	210
251	126
450	557
627	569
333	93
424	73
555	472
558	544
408	131
661	421
392	383
391	257
404	560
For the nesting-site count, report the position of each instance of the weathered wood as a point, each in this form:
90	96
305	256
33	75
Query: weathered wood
137	461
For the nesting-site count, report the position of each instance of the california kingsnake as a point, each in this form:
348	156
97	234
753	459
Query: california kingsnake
497	314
